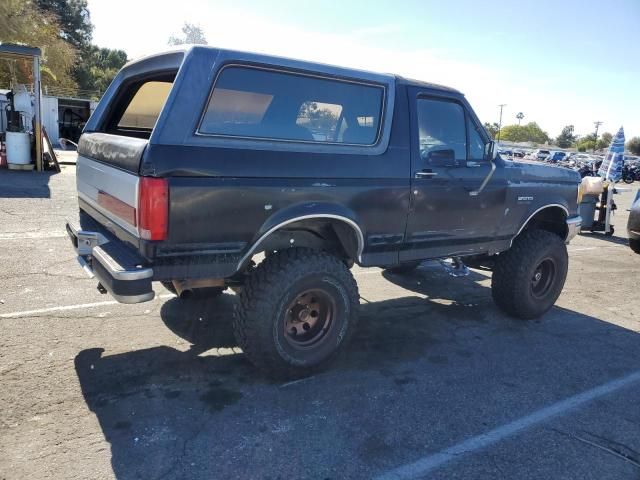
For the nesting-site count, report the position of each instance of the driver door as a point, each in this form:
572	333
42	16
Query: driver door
453	211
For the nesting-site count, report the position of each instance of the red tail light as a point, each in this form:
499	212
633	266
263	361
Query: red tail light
153	208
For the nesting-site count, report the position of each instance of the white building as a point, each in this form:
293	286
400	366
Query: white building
62	116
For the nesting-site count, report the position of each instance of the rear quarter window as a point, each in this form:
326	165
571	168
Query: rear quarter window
276	105
145	106
135	108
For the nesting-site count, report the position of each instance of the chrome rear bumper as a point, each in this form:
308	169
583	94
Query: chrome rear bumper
127	281
573	227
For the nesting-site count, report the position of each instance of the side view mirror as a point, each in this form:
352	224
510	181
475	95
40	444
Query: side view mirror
493	151
442	158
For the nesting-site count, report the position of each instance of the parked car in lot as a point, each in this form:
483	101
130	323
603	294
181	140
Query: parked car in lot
196	161
539	154
555	157
633	225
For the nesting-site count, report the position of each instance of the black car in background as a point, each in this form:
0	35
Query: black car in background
633	225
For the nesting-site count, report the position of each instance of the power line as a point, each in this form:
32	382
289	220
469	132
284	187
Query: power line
595	142
502	105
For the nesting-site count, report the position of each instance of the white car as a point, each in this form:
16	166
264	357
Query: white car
539	154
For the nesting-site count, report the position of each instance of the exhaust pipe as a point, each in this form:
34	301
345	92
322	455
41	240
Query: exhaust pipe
185	288
185	294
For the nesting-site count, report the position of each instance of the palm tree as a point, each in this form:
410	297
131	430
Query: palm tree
519	116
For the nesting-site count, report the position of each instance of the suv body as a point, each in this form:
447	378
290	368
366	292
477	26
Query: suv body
197	160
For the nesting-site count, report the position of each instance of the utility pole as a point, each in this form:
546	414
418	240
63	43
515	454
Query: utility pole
519	116
597	124
502	105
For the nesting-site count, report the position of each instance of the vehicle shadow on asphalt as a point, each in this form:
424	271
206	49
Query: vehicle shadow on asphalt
152	404
28	184
606	238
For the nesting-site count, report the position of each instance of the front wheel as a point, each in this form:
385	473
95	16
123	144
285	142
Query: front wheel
628	179
528	278
634	244
296	310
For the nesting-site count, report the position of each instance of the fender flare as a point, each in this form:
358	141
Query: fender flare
296	213
534	213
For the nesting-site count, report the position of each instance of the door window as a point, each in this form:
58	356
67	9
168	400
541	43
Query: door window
441	126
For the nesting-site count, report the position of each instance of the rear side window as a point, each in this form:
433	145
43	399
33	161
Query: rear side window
321	119
145	106
267	104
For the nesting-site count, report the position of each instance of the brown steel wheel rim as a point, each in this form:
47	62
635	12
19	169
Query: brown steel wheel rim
309	317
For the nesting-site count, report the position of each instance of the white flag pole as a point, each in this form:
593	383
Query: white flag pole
607	218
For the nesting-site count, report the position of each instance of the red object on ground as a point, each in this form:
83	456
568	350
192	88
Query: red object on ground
3	156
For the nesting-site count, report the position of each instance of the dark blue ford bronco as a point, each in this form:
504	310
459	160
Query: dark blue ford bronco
207	169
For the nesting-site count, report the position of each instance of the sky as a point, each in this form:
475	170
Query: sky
559	62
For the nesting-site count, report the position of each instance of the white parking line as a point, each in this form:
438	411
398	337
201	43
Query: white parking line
27	235
429	463
582	249
64	308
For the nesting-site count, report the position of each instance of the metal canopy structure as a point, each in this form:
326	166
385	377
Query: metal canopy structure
11	51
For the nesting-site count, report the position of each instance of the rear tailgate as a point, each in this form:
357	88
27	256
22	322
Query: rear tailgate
108	183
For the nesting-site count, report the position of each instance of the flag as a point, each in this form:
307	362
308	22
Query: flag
611	168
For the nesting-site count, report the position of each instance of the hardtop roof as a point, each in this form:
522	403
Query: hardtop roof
297	63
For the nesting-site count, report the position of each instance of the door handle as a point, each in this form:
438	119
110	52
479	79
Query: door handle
425	174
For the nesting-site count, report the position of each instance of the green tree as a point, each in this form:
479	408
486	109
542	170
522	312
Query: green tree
604	141
492	129
531	132
566	137
586	143
94	67
633	145
193	34
22	21
98	67
72	17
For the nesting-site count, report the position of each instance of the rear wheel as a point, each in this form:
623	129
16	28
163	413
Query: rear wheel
296	311
528	278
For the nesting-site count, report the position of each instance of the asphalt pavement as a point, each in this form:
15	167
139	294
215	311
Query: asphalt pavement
437	382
